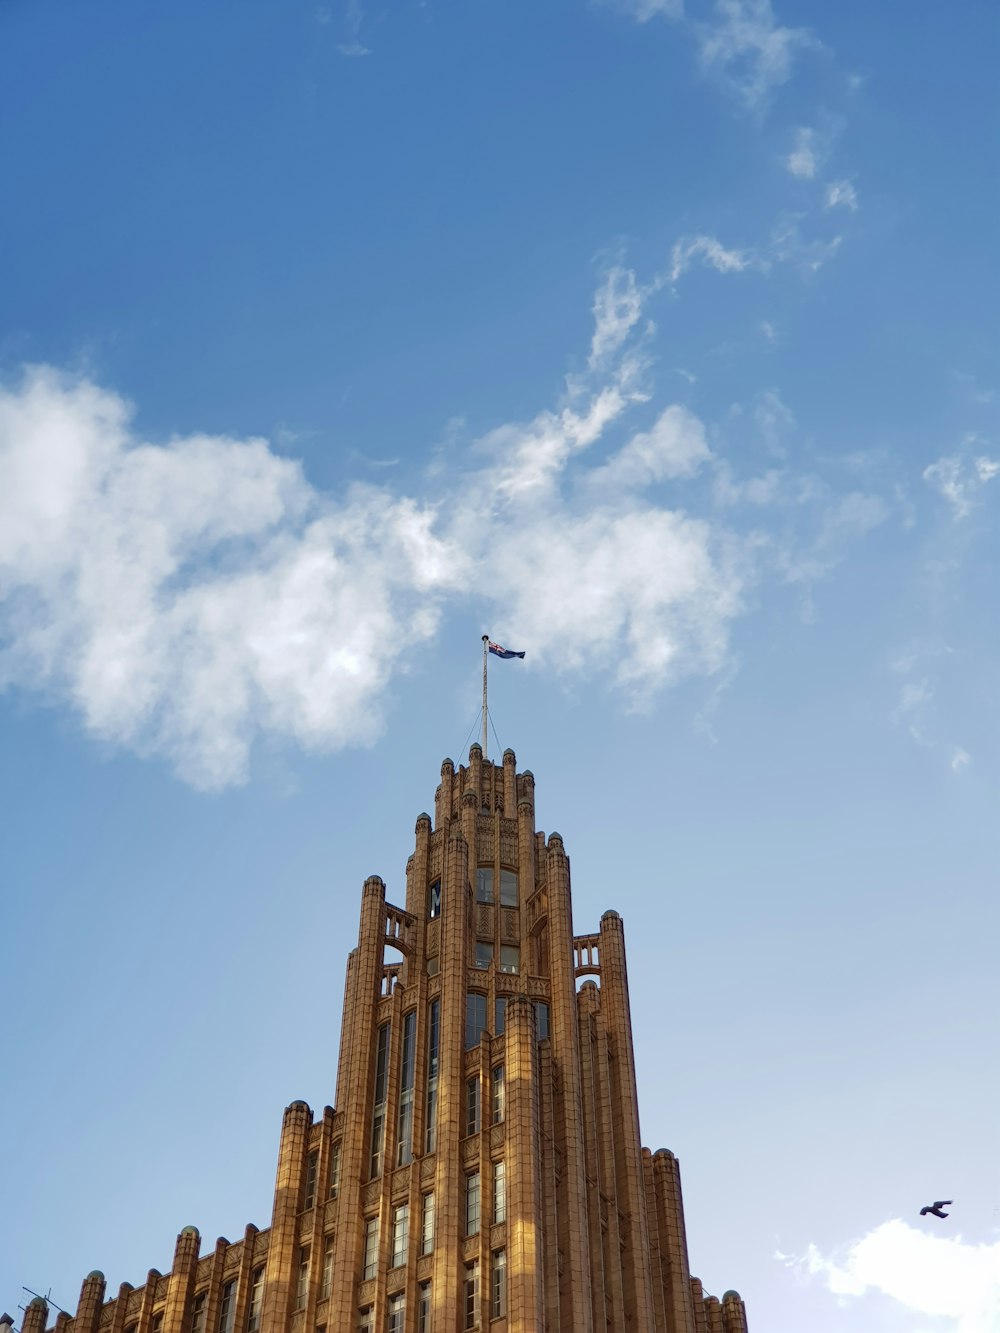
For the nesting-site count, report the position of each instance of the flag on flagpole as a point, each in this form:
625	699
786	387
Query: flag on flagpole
497	651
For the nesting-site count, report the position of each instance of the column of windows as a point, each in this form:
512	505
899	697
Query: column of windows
371	1248
499	1192
400	1234
256	1302
378	1113
427	1225
433	1060
406	1082
472	1203
301	1282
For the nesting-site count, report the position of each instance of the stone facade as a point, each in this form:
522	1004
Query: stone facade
483	1167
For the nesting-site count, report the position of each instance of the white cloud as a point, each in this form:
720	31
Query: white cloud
959	759
674	447
711	252
803	160
617	308
643	10
842	194
935	1276
746	46
192	598
958	479
789	246
187	597
353	17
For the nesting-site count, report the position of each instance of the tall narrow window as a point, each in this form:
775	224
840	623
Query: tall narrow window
256	1301
475	1018
327	1286
510	958
498	1305
404	1137
472	1106
427	1225
484	884
499	1192
156	1323
378	1114
433	1051
335	1170
499	1097
309	1201
472	1204
198	1316
484	954
500	1016
371	1248
400	1234
301	1280
395	1313
472	1294
508	888
424	1308
434	900
366	1320
541	1020
227	1307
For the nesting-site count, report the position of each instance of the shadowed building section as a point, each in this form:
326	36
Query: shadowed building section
483	1164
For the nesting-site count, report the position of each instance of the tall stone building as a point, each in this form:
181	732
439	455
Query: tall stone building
482	1168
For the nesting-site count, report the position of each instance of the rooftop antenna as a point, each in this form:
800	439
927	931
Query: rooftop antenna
47	1298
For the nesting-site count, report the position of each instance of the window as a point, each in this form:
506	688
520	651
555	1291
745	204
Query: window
366	1320
433	1050
327	1285
198	1317
475	1018
404	1136
484	884
498	1305
472	1294
484	954
156	1323
472	1106
433	966
542	1019
434	900
310	1192
227	1307
508	888
400	1234
510	958
378	1114
395	1313
256	1302
427	1225
499	1192
472	1204
499	1098
335	1170
371	1248
500	1017
424	1308
301	1281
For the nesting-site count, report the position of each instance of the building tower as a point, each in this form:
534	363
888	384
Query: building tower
483	1167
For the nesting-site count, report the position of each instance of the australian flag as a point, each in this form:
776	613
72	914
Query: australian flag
497	651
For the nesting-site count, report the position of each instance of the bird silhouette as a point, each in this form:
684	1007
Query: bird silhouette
936	1208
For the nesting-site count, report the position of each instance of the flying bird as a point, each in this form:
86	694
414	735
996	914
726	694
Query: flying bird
936	1208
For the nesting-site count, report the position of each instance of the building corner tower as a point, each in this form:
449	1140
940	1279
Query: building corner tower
483	1166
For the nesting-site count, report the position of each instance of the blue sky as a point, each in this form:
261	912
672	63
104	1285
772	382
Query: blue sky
657	341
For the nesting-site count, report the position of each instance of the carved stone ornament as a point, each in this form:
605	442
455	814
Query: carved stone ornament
400	1184
498	1236
366	1291
498	1137
470	1247
134	1304
107	1315
425	1266
235	1253
426	1169
162	1284
509	925
470	1151
371	1193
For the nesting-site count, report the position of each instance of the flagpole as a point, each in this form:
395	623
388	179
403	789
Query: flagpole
486	641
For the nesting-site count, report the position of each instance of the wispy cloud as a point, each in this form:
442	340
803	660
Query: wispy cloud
959	478
842	194
960	759
353	17
710	251
937	1277
803	160
749	50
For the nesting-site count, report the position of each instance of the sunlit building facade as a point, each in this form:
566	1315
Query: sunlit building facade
482	1168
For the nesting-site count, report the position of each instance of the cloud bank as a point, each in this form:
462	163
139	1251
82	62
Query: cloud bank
935	1276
